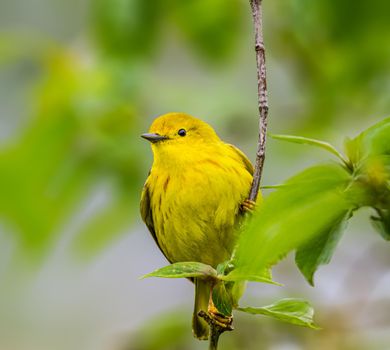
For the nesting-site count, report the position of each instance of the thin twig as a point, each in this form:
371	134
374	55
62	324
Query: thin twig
214	337
262	95
216	329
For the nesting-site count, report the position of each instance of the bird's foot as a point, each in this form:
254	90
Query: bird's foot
221	320
214	318
248	206
217	320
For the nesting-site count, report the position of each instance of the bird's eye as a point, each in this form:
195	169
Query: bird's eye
182	132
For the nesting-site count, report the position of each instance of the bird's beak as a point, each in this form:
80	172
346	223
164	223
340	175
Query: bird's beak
154	137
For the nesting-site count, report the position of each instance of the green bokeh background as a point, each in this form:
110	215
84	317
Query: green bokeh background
81	80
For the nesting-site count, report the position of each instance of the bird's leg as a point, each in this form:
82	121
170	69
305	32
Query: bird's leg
218	322
219	319
216	318
248	206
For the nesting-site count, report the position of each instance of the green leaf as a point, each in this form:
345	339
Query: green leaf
184	270
222	299
319	250
226	267
375	140
370	153
353	150
312	142
290	216
372	142
245	277
236	290
294	311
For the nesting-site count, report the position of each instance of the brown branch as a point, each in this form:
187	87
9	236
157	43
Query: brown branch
262	96
216	328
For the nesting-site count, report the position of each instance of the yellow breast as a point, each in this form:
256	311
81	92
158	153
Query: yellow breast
196	200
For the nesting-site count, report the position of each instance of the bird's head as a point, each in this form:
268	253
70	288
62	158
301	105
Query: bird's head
179	130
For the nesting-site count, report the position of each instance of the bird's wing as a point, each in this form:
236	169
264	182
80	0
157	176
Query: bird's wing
248	166
245	161
147	215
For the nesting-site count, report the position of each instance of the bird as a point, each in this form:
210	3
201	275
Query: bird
195	197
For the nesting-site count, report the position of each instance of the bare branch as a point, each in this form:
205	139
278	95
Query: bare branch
262	95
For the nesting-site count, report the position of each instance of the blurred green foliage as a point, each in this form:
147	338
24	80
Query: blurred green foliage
169	332
126	28
94	80
81	133
211	27
340	51
130	29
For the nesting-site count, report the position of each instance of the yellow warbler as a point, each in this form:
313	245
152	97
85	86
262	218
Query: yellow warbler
193	198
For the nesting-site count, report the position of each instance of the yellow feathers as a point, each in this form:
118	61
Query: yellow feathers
192	199
193	195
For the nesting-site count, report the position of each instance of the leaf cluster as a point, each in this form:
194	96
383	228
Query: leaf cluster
310	211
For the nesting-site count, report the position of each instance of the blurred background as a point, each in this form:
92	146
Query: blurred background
82	79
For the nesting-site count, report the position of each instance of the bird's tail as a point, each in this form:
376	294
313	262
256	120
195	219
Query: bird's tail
200	327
